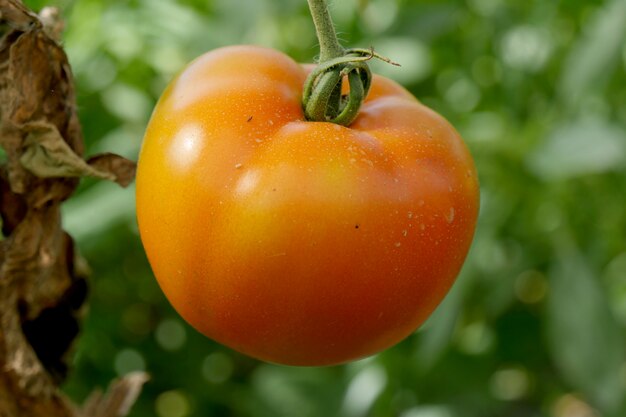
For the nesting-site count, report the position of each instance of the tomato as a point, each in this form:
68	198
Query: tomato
297	242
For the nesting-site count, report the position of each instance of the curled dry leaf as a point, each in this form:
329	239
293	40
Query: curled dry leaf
42	287
47	155
39	121
122	170
52	22
120	397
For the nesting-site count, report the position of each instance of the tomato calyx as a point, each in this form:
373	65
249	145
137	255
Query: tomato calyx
323	99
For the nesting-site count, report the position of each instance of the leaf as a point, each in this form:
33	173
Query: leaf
47	155
584	339
13	13
120	397
594	57
52	22
122	168
580	149
436	333
290	391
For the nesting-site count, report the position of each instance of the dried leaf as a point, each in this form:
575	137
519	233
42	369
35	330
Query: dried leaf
41	86
41	136
47	155
16	15
52	23
12	206
121	168
120	398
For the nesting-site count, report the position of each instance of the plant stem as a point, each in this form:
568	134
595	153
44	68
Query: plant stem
322	98
329	45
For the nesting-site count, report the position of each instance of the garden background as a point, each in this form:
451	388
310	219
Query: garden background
535	324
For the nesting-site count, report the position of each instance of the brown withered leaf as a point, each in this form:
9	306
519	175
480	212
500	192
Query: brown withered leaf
42	286
53	25
46	155
16	15
41	87
120	397
122	168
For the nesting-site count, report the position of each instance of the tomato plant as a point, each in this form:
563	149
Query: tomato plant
294	241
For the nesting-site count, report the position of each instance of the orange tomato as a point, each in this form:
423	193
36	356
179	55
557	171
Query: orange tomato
297	242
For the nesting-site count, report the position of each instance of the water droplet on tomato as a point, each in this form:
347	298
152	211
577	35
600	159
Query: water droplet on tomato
450	215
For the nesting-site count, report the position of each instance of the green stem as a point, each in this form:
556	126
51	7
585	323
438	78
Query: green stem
322	100
329	45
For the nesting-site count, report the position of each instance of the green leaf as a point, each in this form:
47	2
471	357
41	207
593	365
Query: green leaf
579	149
596	54
584	339
437	332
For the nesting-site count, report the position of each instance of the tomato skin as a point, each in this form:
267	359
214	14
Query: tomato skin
297	242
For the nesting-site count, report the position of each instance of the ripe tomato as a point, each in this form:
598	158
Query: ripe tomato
297	242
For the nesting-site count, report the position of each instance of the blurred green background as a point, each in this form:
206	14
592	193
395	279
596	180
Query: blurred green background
535	324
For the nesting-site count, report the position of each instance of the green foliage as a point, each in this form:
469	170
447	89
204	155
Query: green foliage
535	324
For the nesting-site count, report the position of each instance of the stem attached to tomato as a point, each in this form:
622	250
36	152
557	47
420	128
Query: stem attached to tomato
329	45
323	100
